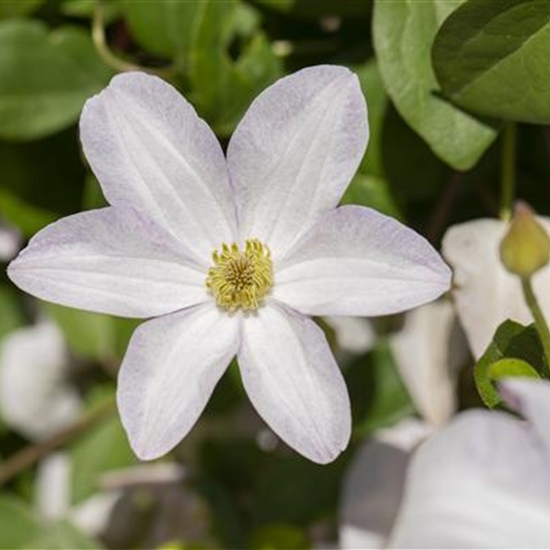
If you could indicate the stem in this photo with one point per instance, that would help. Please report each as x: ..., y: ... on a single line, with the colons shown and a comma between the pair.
x: 508, y: 171
x: 120, y: 65
x: 540, y: 322
x: 27, y: 456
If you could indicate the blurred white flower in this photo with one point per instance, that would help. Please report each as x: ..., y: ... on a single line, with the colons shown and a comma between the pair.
x: 373, y: 486
x: 36, y: 398
x: 429, y: 351
x: 354, y: 335
x: 485, y: 293
x: 231, y: 257
x: 53, y: 496
x: 10, y: 241
x: 481, y: 482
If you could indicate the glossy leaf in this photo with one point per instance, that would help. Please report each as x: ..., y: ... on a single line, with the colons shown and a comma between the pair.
x: 18, y: 523
x: 18, y: 8
x: 492, y: 58
x: 45, y: 78
x: 403, y: 34
x: 102, y: 449
x: 222, y: 87
x: 163, y: 28
x: 63, y: 535
x: 512, y: 341
x: 89, y: 335
x: 511, y: 367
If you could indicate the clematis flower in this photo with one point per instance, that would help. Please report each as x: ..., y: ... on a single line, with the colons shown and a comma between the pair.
x: 485, y: 294
x: 429, y: 352
x: 36, y: 398
x: 230, y: 257
x: 481, y: 482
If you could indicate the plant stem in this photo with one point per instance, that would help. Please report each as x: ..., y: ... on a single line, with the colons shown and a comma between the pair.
x: 27, y: 456
x: 540, y: 322
x: 120, y: 65
x: 508, y: 171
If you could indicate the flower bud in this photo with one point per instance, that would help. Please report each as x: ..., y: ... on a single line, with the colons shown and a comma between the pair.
x: 526, y: 246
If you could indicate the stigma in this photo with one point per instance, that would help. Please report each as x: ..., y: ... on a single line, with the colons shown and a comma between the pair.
x: 240, y: 279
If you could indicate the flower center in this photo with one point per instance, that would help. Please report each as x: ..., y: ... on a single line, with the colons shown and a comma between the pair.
x: 240, y: 279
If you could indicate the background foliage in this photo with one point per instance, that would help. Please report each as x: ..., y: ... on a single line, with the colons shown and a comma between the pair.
x: 441, y: 85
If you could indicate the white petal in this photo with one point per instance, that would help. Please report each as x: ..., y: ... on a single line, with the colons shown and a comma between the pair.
x: 111, y: 260
x: 373, y: 486
x: 353, y: 334
x: 53, y: 486
x: 483, y: 482
x: 355, y: 261
x: 168, y: 374
x: 295, y: 152
x: 293, y: 381
x: 530, y: 398
x: 485, y: 293
x: 150, y: 150
x: 10, y: 241
x: 92, y: 516
x: 35, y: 397
x: 429, y: 351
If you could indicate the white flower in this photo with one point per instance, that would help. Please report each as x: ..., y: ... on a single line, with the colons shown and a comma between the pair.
x: 485, y: 293
x: 230, y: 256
x: 36, y: 398
x: 429, y: 352
x: 481, y: 482
x: 10, y: 241
x: 354, y: 335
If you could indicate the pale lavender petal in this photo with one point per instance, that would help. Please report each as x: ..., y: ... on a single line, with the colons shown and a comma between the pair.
x: 150, y: 150
x: 429, y: 351
x: 355, y: 261
x: 294, y: 383
x: 295, y: 152
x: 374, y: 483
x: 169, y: 372
x: 485, y: 294
x: 482, y: 482
x: 113, y: 260
x: 36, y: 398
x: 530, y: 398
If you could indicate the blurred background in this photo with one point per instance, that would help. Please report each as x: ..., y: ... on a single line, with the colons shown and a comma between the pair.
x: 68, y: 478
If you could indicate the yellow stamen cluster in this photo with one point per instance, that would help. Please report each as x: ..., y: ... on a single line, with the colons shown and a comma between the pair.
x: 240, y: 279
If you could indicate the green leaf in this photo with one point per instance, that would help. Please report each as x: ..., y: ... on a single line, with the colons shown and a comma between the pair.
x: 164, y: 27
x: 223, y: 88
x: 312, y: 494
x: 18, y: 8
x: 28, y: 218
x: 369, y: 187
x: 85, y: 9
x: 511, y: 367
x: 279, y: 535
x: 512, y: 341
x: 41, y: 177
x: 374, y: 192
x: 45, y: 78
x: 63, y: 535
x: 90, y: 335
x: 18, y: 523
x: 11, y: 316
x: 378, y: 395
x: 102, y: 449
x: 378, y: 102
x: 403, y: 35
x: 492, y: 58
x: 279, y: 5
